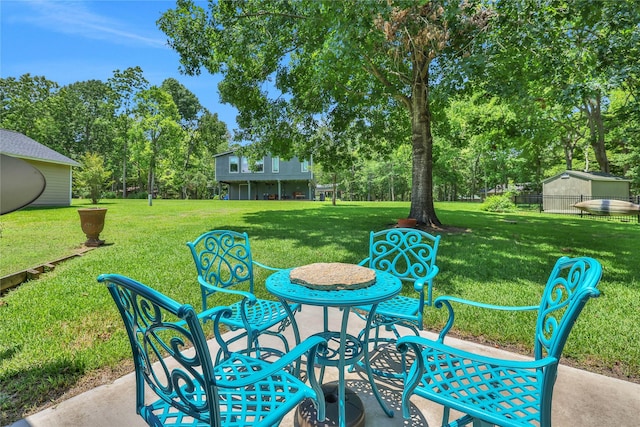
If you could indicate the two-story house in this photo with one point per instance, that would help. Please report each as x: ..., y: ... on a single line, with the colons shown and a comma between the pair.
x: 271, y: 178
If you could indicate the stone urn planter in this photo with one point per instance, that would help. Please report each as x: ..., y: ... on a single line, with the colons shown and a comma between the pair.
x: 407, y: 222
x: 92, y: 223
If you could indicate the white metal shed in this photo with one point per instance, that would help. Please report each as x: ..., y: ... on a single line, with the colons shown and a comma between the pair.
x: 576, y: 186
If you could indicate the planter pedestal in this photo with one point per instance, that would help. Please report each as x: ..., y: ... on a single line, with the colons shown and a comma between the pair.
x: 92, y: 223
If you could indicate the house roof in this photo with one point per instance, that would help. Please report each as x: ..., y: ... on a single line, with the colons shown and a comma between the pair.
x: 223, y: 154
x: 21, y: 146
x: 592, y: 176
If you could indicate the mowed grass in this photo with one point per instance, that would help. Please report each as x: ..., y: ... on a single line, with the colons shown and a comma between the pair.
x: 59, y: 330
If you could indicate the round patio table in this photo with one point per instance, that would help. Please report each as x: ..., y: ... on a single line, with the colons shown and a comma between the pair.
x: 344, y: 349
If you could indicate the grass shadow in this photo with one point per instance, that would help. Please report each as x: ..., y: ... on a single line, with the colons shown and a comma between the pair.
x: 46, y: 384
x: 8, y: 353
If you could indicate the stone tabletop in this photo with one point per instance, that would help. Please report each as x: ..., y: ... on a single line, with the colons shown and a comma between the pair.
x: 333, y: 276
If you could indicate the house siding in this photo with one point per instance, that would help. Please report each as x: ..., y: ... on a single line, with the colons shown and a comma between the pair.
x: 55, y: 167
x: 289, y: 183
x: 58, y: 177
x: 289, y: 169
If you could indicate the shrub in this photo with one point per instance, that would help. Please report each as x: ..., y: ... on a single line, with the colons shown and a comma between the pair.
x: 499, y: 203
x: 92, y: 179
x: 138, y: 195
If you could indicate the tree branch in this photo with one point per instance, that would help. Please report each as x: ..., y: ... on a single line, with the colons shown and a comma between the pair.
x: 371, y: 68
x: 266, y: 13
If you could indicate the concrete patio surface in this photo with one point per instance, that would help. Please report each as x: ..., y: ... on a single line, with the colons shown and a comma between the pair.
x: 581, y: 398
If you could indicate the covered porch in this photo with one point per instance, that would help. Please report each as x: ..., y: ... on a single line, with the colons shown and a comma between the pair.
x: 270, y: 190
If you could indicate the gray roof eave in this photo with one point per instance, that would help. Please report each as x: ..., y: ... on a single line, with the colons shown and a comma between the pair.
x: 587, y: 176
x: 18, y: 145
x: 36, y: 159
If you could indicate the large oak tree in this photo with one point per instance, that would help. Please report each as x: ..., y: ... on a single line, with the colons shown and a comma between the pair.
x: 292, y: 67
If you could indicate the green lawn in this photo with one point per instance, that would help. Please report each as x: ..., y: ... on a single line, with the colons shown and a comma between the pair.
x: 58, y: 330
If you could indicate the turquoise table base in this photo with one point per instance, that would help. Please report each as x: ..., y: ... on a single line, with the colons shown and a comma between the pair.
x: 306, y: 415
x: 343, y: 349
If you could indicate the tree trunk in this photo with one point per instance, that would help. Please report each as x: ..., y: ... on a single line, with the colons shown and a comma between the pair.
x: 187, y: 162
x: 124, y: 171
x: 125, y: 155
x: 335, y: 189
x: 596, y: 129
x: 151, y: 177
x: 422, y: 208
x: 474, y: 176
x: 391, y: 185
x: 567, y: 145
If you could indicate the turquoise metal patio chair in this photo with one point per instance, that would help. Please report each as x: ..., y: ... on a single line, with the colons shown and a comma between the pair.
x: 491, y: 391
x: 172, y: 359
x: 225, y: 266
x: 409, y: 254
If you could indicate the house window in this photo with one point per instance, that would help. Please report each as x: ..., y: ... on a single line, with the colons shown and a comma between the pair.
x: 275, y: 164
x: 259, y: 166
x: 233, y: 164
x: 304, y: 167
x: 244, y: 168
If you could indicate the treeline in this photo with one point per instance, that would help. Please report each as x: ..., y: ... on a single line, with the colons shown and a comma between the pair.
x: 153, y: 139
x: 160, y: 140
x: 485, y: 142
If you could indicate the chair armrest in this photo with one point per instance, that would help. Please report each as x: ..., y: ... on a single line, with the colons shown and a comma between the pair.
x: 266, y: 267
x: 447, y: 300
x: 489, y: 306
x: 214, y: 313
x: 418, y: 285
x: 251, y: 298
x: 417, y: 343
x: 310, y: 345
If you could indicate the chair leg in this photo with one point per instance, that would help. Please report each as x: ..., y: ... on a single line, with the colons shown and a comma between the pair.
x: 253, y: 345
x: 445, y: 416
x: 321, y: 375
x: 481, y: 423
x: 390, y: 342
x: 463, y: 421
x: 290, y: 320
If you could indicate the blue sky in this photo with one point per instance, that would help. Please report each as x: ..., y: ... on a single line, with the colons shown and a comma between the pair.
x: 77, y: 40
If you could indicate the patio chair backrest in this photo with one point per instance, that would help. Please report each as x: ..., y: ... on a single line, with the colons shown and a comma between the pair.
x: 570, y: 285
x: 170, y: 351
x: 501, y: 391
x: 223, y: 258
x: 406, y: 253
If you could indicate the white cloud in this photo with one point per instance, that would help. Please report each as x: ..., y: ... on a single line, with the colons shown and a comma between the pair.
x: 76, y: 18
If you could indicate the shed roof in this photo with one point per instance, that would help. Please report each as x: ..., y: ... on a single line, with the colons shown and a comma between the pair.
x: 592, y: 176
x: 21, y: 146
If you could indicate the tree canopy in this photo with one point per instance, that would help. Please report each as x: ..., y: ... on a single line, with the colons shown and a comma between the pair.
x: 292, y: 68
x: 391, y: 99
